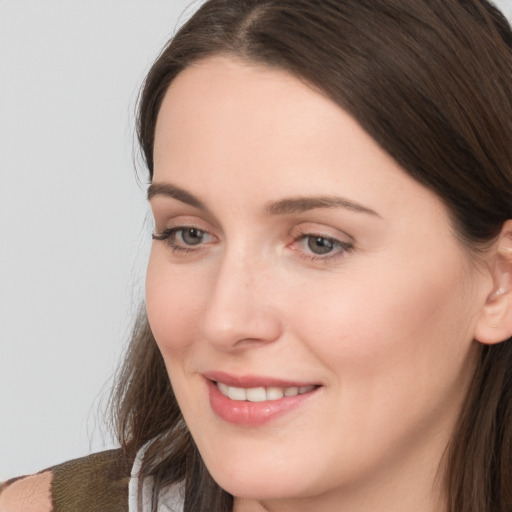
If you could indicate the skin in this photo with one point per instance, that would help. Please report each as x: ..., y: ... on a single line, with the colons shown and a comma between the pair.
x: 29, y: 494
x: 386, y: 327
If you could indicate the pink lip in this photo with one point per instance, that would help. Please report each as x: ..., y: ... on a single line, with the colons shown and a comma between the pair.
x: 254, y: 381
x: 252, y: 414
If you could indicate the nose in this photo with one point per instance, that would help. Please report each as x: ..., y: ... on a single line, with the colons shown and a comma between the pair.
x: 240, y: 310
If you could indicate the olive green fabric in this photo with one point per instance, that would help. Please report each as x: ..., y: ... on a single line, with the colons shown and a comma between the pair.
x: 96, y: 483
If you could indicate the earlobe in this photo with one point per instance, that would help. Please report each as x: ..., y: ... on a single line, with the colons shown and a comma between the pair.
x: 495, y: 322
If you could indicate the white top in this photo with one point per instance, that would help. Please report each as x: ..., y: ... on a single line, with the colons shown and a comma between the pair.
x: 170, y: 500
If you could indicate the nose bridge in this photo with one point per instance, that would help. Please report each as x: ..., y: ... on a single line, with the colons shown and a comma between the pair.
x: 239, y: 306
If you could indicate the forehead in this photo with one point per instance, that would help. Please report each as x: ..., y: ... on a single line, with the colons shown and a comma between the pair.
x: 234, y: 130
x: 247, y: 95
x: 231, y: 110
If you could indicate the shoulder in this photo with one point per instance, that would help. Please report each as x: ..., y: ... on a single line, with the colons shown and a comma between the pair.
x: 98, y: 482
x: 27, y: 494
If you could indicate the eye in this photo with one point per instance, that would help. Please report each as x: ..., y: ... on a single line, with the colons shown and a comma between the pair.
x: 190, y: 236
x: 183, y: 238
x: 321, y: 247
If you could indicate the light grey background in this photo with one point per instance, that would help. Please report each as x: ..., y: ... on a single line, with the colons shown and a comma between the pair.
x: 505, y: 6
x: 73, y: 240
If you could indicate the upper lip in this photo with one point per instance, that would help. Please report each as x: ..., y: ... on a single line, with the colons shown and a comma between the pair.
x: 253, y: 381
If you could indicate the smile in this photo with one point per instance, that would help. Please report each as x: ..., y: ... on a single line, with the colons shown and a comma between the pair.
x: 252, y: 401
x: 261, y: 394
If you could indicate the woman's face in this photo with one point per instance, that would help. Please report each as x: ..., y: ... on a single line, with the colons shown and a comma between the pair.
x: 299, y: 270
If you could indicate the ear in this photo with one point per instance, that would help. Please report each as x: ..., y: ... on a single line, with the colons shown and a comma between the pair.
x: 495, y: 321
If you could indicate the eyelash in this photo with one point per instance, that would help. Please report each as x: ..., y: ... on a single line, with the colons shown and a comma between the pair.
x: 168, y: 236
x: 339, y: 248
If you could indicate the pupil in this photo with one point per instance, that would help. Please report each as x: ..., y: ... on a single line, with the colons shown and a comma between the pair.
x: 192, y: 236
x: 320, y: 245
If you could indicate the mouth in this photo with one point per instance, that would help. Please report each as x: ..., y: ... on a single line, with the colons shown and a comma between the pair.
x: 253, y: 401
x: 262, y: 394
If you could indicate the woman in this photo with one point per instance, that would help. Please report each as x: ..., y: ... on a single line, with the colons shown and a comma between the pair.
x: 328, y: 302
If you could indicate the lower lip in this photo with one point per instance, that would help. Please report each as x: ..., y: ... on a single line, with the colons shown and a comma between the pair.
x: 252, y: 414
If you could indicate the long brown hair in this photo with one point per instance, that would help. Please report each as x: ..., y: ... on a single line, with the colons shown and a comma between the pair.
x: 431, y: 82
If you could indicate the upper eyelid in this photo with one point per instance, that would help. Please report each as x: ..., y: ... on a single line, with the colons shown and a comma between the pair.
x: 326, y: 231
x: 297, y: 232
x: 342, y: 243
x: 165, y: 219
x: 175, y: 229
x: 321, y: 235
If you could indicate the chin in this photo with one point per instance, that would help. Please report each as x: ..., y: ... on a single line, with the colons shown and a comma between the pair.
x: 266, y: 475
x: 259, y: 486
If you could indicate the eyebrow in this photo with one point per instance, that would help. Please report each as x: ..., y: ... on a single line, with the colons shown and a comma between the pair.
x: 303, y: 204
x: 168, y: 190
x: 281, y: 207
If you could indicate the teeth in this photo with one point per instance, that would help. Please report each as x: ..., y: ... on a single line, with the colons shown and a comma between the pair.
x: 291, y: 391
x: 274, y: 393
x: 255, y: 394
x: 237, y: 393
x: 261, y: 394
x: 223, y: 388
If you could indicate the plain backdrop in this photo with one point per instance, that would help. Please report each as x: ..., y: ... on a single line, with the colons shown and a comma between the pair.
x: 73, y: 231
x: 73, y: 235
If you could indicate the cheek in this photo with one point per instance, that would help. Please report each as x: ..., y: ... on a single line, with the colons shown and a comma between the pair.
x: 173, y: 305
x: 390, y: 325
x: 398, y: 362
